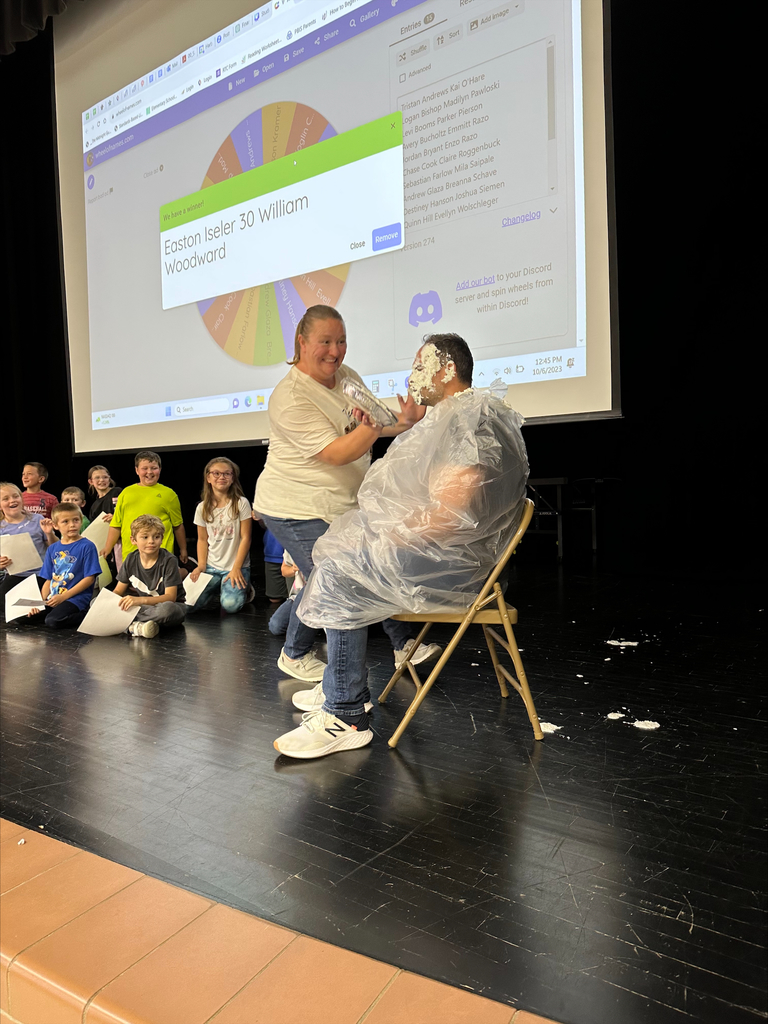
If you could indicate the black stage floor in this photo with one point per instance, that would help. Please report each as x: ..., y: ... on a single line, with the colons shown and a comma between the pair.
x: 605, y: 875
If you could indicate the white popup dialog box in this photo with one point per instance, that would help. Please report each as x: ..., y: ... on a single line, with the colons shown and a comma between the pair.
x: 338, y: 201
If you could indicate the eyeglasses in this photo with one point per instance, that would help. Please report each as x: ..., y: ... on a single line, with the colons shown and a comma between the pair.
x: 213, y: 472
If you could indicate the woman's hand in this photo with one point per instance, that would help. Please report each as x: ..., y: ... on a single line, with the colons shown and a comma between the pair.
x: 236, y: 578
x: 365, y: 421
x: 410, y: 412
x: 195, y: 574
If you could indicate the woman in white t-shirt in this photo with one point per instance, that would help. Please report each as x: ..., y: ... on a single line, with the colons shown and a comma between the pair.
x: 319, y: 452
x: 223, y: 520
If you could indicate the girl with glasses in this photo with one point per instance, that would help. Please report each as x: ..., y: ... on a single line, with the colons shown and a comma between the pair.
x: 223, y: 520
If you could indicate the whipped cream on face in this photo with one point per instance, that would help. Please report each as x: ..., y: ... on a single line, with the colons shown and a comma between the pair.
x: 424, y: 370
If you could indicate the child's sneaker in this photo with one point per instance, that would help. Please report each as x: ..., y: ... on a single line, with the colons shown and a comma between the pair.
x: 424, y: 652
x: 320, y: 734
x: 312, y: 700
x: 145, y: 629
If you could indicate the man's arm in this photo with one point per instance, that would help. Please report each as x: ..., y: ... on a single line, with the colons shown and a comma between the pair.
x: 451, y: 492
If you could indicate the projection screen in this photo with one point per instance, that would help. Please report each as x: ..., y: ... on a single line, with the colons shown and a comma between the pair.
x: 422, y: 165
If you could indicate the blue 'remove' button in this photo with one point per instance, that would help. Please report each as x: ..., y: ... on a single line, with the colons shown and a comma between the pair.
x: 385, y: 238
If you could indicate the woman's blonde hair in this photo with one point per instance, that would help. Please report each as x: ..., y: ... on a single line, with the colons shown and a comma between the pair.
x: 13, y: 487
x: 313, y: 315
x: 91, y: 471
x: 235, y: 492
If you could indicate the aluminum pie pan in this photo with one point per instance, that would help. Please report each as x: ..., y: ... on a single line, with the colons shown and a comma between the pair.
x: 358, y: 396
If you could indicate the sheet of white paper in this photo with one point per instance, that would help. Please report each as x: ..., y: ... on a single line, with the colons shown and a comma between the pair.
x: 193, y: 590
x: 106, y: 618
x: 97, y: 531
x: 22, y: 552
x: 28, y: 590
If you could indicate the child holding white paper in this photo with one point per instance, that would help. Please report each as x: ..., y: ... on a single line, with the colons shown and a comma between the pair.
x: 105, y: 492
x: 70, y: 570
x: 223, y: 520
x: 103, y: 487
x: 150, y: 578
x: 15, y: 520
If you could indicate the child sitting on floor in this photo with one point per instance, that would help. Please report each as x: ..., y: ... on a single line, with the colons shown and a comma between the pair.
x: 223, y: 520
x: 75, y: 496
x: 14, y: 519
x: 278, y: 624
x: 150, y: 578
x: 103, y: 487
x: 70, y: 570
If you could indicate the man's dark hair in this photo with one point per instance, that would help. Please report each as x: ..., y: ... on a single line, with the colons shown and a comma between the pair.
x: 147, y: 456
x: 454, y: 349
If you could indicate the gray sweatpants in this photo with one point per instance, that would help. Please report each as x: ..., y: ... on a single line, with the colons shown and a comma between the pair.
x: 169, y: 613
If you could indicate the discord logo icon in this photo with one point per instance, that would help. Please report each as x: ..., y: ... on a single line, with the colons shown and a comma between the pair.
x: 426, y: 307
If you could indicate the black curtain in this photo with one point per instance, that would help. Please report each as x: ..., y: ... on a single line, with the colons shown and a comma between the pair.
x: 21, y: 20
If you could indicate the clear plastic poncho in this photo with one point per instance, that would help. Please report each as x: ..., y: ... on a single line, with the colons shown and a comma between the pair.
x: 434, y: 516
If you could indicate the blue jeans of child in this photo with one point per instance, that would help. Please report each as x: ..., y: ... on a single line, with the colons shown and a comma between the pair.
x: 298, y: 537
x: 230, y: 597
x: 281, y: 616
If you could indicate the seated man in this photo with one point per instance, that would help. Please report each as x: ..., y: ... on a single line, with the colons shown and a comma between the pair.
x: 434, y: 516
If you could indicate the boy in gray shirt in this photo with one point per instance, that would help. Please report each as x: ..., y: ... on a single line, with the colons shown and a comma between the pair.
x: 150, y: 578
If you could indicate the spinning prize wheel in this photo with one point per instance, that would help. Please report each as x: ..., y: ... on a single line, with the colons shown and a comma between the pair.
x: 257, y: 325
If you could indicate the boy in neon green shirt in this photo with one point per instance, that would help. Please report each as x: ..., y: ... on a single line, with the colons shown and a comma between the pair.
x: 147, y: 497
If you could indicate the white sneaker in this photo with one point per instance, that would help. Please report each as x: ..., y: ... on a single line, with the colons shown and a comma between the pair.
x: 320, y: 734
x: 145, y: 629
x: 424, y: 652
x: 308, y: 669
x: 312, y: 700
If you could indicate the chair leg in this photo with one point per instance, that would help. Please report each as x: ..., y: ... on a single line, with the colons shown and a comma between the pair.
x: 431, y: 678
x: 496, y: 666
x: 406, y: 665
x: 525, y: 690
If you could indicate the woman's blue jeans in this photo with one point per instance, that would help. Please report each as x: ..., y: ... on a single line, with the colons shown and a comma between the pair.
x: 298, y: 537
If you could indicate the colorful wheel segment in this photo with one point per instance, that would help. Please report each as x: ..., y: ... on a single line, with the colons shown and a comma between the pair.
x: 257, y: 325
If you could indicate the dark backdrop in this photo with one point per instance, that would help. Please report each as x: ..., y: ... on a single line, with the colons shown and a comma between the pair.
x: 682, y: 458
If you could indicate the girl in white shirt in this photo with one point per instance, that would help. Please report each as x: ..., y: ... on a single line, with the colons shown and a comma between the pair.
x: 223, y: 520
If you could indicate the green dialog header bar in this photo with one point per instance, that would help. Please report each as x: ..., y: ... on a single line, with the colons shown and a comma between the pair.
x: 367, y: 140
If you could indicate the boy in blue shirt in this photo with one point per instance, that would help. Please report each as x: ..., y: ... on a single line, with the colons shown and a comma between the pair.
x: 70, y: 569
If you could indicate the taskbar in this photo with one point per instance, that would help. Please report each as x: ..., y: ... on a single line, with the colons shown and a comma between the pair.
x: 524, y: 369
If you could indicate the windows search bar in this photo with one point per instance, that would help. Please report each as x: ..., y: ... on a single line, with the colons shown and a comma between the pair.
x: 203, y: 408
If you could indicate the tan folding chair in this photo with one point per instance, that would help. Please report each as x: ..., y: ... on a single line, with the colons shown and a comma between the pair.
x: 502, y: 615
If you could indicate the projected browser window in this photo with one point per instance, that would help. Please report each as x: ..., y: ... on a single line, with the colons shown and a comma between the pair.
x: 417, y: 165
